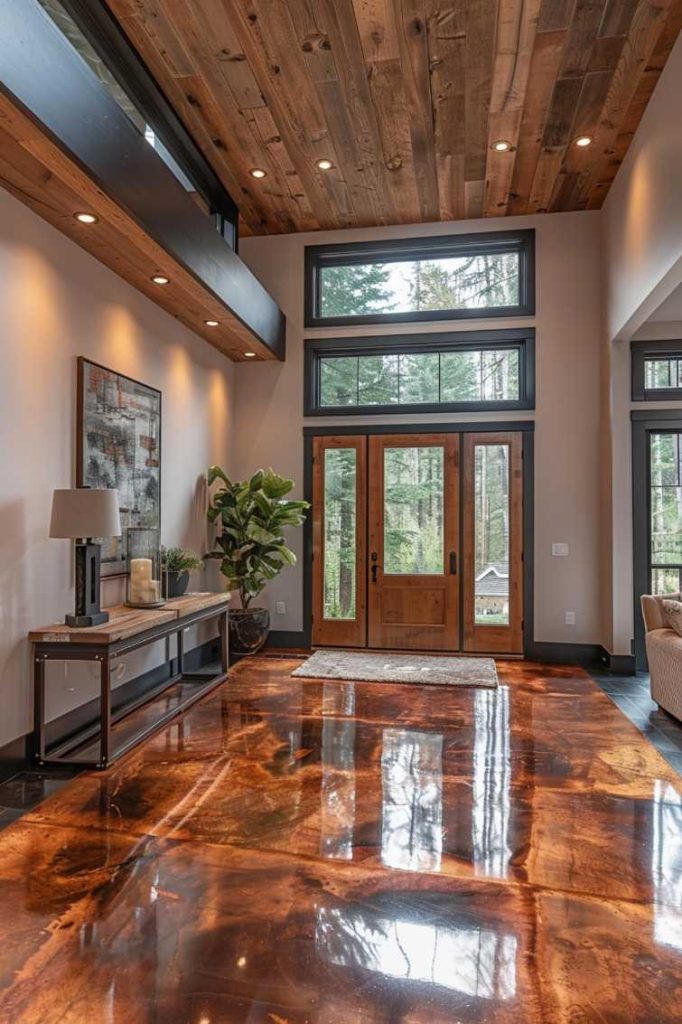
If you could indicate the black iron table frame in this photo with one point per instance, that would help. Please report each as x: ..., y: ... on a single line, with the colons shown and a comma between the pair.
x: 105, y: 654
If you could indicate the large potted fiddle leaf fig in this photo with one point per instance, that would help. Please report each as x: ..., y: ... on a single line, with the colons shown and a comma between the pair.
x: 250, y: 517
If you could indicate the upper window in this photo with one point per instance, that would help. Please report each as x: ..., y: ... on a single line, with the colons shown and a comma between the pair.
x: 656, y: 370
x: 415, y: 279
x: 455, y: 371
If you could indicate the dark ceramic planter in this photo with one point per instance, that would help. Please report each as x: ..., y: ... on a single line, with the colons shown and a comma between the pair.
x: 175, y: 583
x: 248, y: 629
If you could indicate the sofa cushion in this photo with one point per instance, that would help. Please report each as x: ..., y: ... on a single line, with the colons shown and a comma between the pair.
x: 652, y: 609
x: 672, y: 614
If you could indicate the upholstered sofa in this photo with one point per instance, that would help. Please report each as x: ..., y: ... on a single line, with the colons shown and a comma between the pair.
x: 664, y: 654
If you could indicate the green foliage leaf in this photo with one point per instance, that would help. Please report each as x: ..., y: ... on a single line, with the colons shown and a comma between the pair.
x: 250, y: 516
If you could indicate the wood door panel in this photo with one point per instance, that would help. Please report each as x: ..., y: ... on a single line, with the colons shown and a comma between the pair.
x: 413, y: 610
x: 330, y: 628
x: 506, y: 636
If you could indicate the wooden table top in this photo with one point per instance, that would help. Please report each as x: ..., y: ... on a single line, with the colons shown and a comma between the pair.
x: 125, y: 622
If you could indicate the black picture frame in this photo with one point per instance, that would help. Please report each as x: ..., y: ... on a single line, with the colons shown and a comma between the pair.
x: 112, y: 565
x: 318, y: 257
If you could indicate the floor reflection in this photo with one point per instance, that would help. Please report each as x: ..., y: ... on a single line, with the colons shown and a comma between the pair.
x: 474, y: 961
x: 666, y: 865
x: 412, y: 800
x: 491, y: 779
x: 338, y: 778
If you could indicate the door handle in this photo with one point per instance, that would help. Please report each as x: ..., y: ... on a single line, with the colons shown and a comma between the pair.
x: 375, y: 566
x: 453, y: 563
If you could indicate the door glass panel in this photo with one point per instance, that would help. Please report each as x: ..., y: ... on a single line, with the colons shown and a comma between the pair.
x: 666, y: 513
x: 340, y: 486
x: 413, y: 510
x: 491, y: 534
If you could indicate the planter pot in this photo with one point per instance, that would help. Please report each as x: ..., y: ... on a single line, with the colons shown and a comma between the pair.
x: 175, y: 583
x: 249, y: 629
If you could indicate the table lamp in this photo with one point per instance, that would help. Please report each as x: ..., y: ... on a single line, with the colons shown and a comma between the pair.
x: 82, y: 513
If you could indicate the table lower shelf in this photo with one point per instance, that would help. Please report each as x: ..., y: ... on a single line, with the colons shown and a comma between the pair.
x: 135, y: 720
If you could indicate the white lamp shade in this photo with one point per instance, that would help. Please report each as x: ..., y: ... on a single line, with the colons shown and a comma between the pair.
x: 85, y: 512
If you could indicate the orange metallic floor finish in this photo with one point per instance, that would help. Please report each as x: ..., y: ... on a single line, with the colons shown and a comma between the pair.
x: 352, y: 853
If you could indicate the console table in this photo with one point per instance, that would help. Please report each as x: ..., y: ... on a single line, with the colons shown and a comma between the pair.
x: 128, y: 629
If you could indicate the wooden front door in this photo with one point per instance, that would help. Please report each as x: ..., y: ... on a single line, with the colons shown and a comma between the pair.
x: 413, y: 532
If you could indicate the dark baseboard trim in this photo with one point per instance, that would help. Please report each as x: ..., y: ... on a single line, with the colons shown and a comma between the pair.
x: 286, y: 638
x: 571, y: 654
x: 17, y: 754
x: 619, y: 664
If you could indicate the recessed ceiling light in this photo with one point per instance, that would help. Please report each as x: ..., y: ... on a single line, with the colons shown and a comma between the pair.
x: 212, y: 323
x: 501, y: 146
x: 86, y: 218
x: 257, y: 172
x: 250, y: 355
x: 583, y: 140
x: 325, y: 165
x: 160, y: 279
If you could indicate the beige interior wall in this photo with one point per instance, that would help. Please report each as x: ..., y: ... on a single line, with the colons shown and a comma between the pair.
x: 269, y: 405
x: 58, y: 303
x: 642, y: 245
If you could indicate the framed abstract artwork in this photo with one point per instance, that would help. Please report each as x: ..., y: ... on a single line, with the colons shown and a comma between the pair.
x: 118, y: 444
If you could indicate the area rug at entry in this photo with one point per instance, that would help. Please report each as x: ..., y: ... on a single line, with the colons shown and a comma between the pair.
x: 399, y: 668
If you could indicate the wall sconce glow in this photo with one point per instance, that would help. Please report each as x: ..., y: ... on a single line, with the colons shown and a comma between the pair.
x: 160, y: 279
x: 583, y: 141
x: 212, y: 323
x: 257, y: 172
x: 325, y: 165
x: 501, y: 146
x: 249, y: 355
x: 86, y: 218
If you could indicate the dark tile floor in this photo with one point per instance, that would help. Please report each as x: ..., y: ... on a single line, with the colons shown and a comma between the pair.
x: 631, y: 695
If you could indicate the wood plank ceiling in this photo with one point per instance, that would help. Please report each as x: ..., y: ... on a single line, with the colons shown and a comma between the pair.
x: 406, y: 98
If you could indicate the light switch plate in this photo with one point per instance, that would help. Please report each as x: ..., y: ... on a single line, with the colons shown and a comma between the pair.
x: 281, y: 608
x: 560, y: 550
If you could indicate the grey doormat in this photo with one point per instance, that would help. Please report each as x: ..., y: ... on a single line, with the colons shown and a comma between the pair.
x: 399, y: 668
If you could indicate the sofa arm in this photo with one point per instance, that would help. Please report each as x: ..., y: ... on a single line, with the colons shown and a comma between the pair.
x: 664, y: 653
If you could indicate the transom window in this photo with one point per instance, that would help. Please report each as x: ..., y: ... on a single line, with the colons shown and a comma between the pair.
x: 463, y: 371
x: 656, y: 370
x: 481, y: 275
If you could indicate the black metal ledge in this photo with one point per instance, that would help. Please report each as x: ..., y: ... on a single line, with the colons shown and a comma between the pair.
x: 43, y: 76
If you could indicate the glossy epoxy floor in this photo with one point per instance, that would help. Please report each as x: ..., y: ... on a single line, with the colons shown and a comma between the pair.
x: 350, y: 853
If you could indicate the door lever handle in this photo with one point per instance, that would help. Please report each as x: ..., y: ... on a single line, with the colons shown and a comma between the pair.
x: 453, y: 563
x: 375, y: 566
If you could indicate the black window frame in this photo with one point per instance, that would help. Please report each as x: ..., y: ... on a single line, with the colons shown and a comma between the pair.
x: 640, y: 352
x: 519, y: 338
x: 317, y: 257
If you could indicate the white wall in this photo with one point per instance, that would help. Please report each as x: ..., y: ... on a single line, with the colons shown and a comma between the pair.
x: 57, y: 303
x: 269, y: 404
x: 642, y: 245
x: 642, y: 215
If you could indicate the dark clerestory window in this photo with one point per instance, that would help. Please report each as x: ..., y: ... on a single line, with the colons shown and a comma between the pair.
x: 463, y: 371
x: 452, y: 277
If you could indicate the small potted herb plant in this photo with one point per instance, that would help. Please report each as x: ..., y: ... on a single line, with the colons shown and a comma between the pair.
x: 251, y: 516
x: 176, y: 565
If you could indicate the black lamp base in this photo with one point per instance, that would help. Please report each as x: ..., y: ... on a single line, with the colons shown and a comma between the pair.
x: 86, y: 620
x: 87, y: 611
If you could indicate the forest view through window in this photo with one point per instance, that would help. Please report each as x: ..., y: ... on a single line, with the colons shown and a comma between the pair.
x: 454, y: 276
x: 414, y: 378
x: 462, y: 282
x: 666, y: 513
